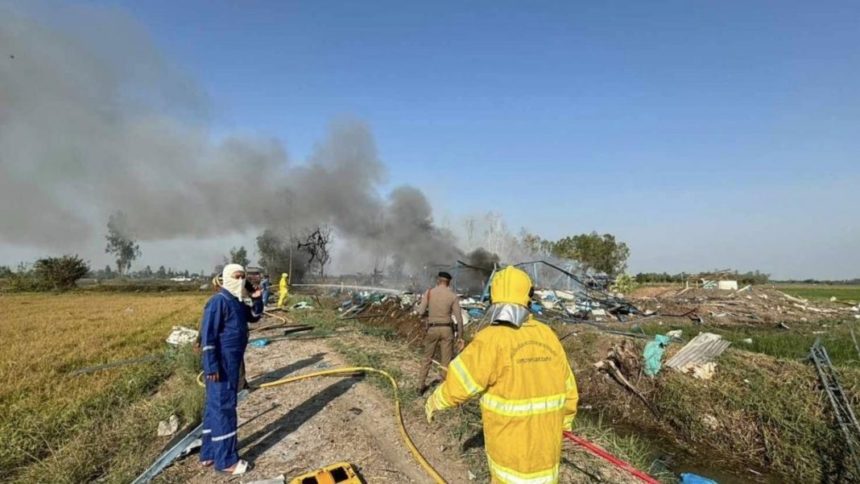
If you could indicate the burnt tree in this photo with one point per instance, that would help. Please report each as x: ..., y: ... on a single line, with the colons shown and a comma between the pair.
x: 316, y: 245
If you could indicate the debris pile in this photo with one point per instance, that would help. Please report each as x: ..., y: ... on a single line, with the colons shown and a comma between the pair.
x: 697, y: 356
x: 391, y: 310
x: 568, y: 295
x: 748, y: 305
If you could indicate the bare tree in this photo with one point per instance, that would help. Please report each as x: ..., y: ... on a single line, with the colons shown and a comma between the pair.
x: 316, y: 245
x: 469, y: 225
x: 495, y: 233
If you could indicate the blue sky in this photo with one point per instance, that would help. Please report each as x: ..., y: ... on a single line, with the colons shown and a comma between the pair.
x: 704, y: 134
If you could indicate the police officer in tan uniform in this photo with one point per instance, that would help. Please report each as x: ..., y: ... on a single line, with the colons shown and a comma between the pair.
x: 441, y: 303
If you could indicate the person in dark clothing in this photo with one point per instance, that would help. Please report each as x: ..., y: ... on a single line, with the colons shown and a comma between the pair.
x: 224, y: 336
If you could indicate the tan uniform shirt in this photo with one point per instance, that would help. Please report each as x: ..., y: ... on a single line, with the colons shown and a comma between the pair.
x: 443, y: 303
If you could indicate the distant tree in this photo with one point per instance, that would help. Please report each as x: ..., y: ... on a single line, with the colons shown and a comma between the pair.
x: 624, y: 283
x: 495, y: 232
x: 275, y: 253
x: 535, y: 244
x: 108, y: 272
x: 185, y: 274
x: 60, y: 272
x: 595, y: 252
x: 239, y: 256
x: 469, y: 224
x: 146, y: 272
x: 5, y: 271
x: 120, y: 242
x: 753, y: 277
x: 161, y: 273
x: 646, y: 277
x: 531, y: 241
x: 316, y: 245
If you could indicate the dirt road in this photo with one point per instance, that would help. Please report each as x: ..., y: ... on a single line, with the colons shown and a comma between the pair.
x: 295, y: 428
x: 306, y: 425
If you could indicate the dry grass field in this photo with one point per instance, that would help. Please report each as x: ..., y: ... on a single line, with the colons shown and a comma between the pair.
x: 58, y: 426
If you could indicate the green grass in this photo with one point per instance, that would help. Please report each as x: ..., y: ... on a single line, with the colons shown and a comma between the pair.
x: 381, y: 332
x: 763, y: 409
x: 792, y: 344
x: 822, y: 291
x: 631, y: 447
x: 765, y: 413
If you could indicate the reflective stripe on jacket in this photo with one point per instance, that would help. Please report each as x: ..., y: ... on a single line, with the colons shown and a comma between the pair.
x: 528, y: 396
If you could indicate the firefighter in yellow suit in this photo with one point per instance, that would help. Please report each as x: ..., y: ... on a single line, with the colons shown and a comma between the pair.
x: 528, y: 392
x: 283, y: 289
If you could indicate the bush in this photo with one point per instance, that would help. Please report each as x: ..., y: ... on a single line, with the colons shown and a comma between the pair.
x: 60, y: 273
x: 624, y: 283
x: 25, y: 282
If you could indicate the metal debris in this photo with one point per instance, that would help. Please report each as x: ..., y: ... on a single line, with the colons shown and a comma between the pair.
x: 115, y: 364
x: 842, y: 409
x: 571, y: 296
x: 176, y: 450
x: 704, y: 348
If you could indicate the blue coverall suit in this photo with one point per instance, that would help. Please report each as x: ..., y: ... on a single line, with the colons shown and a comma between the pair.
x: 266, y: 284
x: 224, y: 336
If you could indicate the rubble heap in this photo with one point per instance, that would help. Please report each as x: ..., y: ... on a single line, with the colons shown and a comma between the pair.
x: 748, y: 306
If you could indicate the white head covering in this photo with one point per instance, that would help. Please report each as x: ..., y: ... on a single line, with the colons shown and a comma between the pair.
x: 234, y: 286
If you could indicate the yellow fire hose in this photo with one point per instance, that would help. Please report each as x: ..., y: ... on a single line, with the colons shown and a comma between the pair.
x: 364, y: 369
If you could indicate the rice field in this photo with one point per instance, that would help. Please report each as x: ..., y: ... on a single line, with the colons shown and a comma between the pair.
x: 823, y: 291
x: 94, y: 425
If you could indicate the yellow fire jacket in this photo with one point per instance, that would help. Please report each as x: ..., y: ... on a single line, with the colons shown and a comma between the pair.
x: 528, y: 396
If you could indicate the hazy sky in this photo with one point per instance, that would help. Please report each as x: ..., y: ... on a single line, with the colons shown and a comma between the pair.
x: 704, y: 134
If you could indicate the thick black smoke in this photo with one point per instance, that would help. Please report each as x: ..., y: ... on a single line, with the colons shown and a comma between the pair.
x: 93, y: 120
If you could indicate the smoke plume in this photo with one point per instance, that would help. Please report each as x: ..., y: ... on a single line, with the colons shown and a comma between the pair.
x: 93, y: 119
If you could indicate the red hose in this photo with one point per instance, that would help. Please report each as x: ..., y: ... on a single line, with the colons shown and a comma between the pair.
x: 603, y: 454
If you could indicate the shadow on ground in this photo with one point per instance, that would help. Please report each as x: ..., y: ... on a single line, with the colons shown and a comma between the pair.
x: 267, y: 437
x: 286, y: 370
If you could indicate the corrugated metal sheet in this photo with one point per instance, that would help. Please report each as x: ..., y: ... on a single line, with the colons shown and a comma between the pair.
x: 701, y: 349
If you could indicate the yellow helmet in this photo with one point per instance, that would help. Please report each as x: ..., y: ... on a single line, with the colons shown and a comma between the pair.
x: 511, y: 285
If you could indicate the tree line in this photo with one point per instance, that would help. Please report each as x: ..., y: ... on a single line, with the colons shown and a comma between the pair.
x: 749, y: 277
x: 310, y: 252
x: 593, y: 252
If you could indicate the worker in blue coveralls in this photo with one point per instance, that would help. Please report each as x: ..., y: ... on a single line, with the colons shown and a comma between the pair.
x: 267, y: 289
x: 224, y: 335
